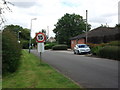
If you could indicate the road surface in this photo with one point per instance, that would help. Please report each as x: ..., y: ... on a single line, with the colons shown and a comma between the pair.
x: 89, y: 72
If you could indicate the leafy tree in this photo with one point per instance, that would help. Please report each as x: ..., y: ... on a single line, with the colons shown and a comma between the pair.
x: 24, y: 34
x: 69, y: 26
x: 13, y: 28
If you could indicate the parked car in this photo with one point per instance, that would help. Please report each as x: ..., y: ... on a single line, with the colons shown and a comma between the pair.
x: 81, y: 48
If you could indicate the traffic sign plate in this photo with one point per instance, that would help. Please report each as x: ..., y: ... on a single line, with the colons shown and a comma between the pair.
x: 40, y: 37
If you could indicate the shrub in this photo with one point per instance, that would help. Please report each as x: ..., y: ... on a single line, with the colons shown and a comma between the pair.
x: 11, y: 52
x: 59, y: 47
x: 94, y: 45
x: 111, y: 52
x: 114, y: 43
x: 95, y: 50
x: 49, y: 45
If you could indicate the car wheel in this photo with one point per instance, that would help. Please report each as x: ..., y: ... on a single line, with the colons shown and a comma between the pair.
x: 77, y: 52
x: 74, y: 52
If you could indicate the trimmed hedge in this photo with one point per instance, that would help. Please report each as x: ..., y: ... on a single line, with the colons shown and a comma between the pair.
x: 115, y: 43
x: 111, y: 52
x: 49, y: 45
x: 59, y: 47
x: 11, y: 52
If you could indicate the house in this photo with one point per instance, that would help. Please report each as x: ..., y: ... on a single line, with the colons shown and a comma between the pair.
x: 97, y: 35
x: 51, y: 39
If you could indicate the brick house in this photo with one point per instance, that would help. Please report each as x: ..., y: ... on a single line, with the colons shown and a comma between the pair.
x: 97, y: 35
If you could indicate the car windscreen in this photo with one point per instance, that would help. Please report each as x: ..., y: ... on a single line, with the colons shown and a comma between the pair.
x: 82, y: 46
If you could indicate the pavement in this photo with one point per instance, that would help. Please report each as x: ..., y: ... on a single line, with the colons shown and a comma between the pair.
x: 88, y: 72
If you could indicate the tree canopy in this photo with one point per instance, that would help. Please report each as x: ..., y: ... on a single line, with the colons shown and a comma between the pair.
x: 24, y: 34
x: 69, y: 26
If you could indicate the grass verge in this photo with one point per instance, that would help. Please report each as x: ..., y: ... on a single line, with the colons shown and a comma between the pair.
x: 32, y: 74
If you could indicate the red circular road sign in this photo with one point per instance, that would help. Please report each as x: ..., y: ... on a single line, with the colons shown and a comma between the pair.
x: 40, y: 37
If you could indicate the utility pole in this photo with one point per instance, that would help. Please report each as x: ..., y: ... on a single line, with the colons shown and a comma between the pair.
x: 57, y: 38
x: 86, y: 26
x: 48, y: 31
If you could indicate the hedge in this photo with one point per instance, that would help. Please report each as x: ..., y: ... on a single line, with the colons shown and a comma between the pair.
x: 59, y: 47
x: 111, y: 52
x: 95, y: 50
x: 114, y: 43
x: 11, y: 51
x: 49, y: 45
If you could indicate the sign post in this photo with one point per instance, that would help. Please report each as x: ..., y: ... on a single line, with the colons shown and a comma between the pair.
x: 40, y: 38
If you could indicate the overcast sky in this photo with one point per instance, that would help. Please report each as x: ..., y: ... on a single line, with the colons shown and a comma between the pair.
x: 48, y: 12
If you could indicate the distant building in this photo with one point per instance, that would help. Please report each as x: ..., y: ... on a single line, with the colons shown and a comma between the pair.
x: 51, y: 39
x: 119, y: 12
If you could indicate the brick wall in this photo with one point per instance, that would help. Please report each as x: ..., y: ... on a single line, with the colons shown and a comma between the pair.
x: 74, y: 42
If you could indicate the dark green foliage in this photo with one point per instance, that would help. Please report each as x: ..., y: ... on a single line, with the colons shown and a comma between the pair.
x: 25, y: 44
x: 114, y: 43
x: 59, y: 47
x: 49, y: 45
x: 11, y: 51
x: 24, y: 34
x: 111, y: 52
x: 13, y: 28
x: 95, y: 50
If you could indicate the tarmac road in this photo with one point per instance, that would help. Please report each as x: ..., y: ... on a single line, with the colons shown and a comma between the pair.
x: 89, y: 72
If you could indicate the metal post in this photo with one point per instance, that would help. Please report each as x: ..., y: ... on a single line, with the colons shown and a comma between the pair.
x: 40, y: 57
x: 30, y: 36
x: 19, y: 36
x: 48, y: 31
x: 86, y: 25
x: 30, y: 33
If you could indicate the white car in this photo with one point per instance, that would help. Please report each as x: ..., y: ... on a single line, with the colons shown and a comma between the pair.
x: 81, y: 48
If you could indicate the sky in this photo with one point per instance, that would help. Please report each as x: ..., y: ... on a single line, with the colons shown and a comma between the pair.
x: 48, y: 12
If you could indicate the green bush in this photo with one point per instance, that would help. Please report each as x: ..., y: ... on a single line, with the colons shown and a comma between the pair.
x: 59, y: 47
x: 111, y: 52
x: 114, y: 43
x: 11, y: 52
x: 95, y: 50
x: 49, y: 45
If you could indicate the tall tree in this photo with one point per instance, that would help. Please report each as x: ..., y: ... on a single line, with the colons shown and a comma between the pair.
x: 69, y: 26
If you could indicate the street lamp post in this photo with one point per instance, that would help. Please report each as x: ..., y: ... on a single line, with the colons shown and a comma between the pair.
x: 30, y: 33
x: 19, y: 36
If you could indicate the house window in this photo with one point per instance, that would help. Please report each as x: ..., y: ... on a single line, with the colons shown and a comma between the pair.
x: 72, y: 42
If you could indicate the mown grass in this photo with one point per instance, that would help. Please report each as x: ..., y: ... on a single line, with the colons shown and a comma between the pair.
x: 32, y: 74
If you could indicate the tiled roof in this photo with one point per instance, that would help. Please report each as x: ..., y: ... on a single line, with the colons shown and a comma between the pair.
x: 99, y: 32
